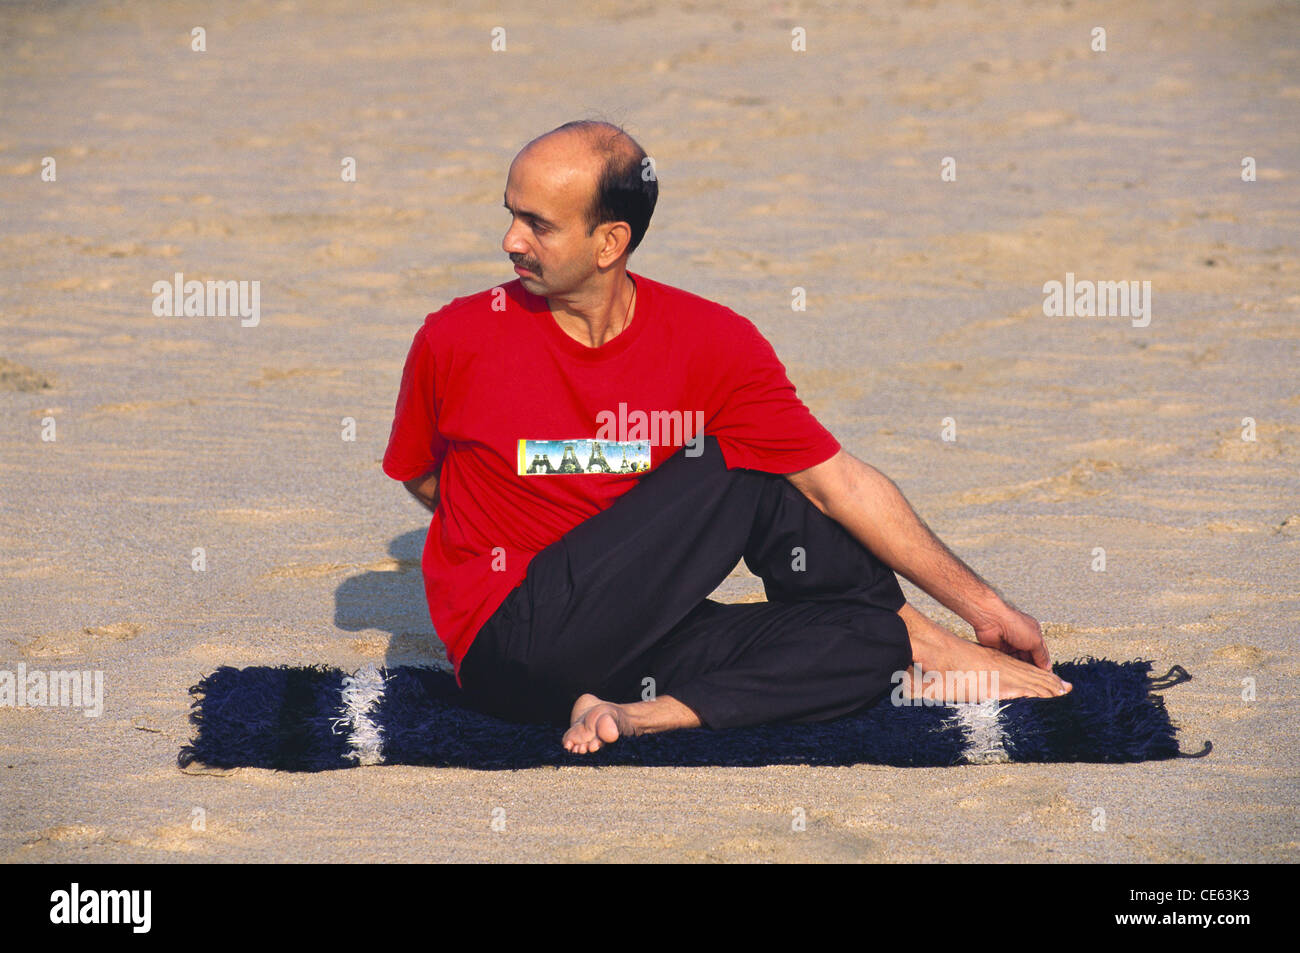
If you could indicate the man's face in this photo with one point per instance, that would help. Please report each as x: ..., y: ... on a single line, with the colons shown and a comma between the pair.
x: 547, y: 192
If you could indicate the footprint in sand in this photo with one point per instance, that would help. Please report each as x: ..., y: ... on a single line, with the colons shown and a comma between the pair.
x: 249, y: 516
x: 344, y: 253
x: 183, y: 838
x: 423, y: 647
x: 1085, y: 478
x: 129, y: 407
x: 65, y: 833
x: 1269, y: 444
x: 273, y: 375
x: 120, y: 631
x: 316, y: 570
x: 57, y: 644
x: 1241, y: 654
x: 128, y: 249
x: 1060, y: 814
x: 18, y: 377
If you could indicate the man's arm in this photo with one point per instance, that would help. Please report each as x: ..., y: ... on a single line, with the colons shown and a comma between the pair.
x: 425, y: 489
x: 871, y: 507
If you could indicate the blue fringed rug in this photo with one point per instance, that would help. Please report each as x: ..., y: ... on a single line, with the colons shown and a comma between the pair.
x: 315, y: 719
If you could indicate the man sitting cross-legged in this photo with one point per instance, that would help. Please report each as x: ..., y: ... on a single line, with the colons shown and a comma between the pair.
x: 599, y: 449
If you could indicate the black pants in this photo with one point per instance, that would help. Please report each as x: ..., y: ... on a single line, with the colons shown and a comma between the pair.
x: 617, y: 607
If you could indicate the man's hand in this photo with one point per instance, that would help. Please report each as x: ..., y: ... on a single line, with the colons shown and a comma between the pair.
x: 1015, y: 633
x: 425, y: 489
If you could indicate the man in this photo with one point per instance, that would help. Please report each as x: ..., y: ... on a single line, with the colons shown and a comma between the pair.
x: 598, y: 450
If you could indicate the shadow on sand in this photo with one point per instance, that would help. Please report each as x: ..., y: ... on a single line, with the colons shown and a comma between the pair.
x: 394, y: 602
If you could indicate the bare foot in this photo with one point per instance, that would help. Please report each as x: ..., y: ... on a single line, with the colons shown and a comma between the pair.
x: 595, y: 722
x: 953, y: 666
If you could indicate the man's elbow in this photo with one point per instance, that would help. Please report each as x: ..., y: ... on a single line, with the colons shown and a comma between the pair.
x: 424, y: 488
x: 824, y: 483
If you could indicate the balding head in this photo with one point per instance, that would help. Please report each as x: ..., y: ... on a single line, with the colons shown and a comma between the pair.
x: 622, y: 186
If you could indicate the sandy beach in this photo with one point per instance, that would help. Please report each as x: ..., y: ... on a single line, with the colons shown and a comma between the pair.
x: 134, y: 443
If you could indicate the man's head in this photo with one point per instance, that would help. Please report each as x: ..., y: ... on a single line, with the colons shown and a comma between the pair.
x: 581, y: 197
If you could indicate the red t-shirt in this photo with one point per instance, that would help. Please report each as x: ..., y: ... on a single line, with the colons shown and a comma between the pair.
x: 535, y: 431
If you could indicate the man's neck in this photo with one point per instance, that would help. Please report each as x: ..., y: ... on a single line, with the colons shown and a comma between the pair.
x: 599, y: 317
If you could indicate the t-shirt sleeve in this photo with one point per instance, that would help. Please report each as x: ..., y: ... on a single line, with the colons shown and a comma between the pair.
x: 414, y: 444
x: 762, y: 424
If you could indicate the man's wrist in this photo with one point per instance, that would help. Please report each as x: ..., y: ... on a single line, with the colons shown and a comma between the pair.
x: 968, y: 594
x: 984, y: 605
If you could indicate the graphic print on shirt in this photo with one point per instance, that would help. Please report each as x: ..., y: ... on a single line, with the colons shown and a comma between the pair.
x: 582, y: 455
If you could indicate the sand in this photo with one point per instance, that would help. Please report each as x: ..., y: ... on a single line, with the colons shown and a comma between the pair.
x: 778, y: 169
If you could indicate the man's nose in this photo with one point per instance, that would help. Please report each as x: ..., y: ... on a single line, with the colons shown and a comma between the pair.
x: 513, y: 243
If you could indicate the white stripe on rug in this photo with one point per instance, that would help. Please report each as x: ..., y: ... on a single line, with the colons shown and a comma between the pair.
x: 361, y: 695
x: 983, y: 727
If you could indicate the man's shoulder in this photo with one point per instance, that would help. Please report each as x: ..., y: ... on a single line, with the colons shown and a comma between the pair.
x: 701, y: 312
x: 466, y: 316
x: 471, y: 306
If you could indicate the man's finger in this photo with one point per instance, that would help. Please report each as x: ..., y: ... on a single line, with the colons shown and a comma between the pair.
x: 1041, y: 658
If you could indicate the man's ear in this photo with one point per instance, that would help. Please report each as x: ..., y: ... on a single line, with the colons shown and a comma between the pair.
x: 618, y: 235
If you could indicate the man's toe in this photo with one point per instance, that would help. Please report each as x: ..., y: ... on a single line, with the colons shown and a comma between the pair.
x: 607, y: 727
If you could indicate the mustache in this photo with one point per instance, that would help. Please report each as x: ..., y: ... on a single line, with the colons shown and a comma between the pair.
x: 527, y: 263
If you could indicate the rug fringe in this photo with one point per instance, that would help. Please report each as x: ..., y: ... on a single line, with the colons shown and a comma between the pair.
x: 361, y: 696
x: 1175, y: 676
